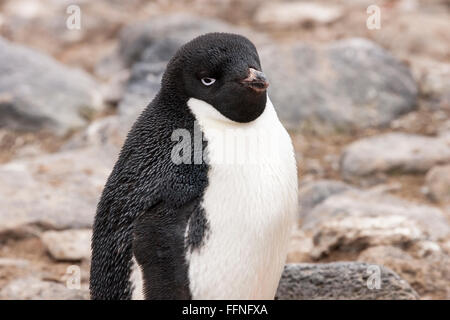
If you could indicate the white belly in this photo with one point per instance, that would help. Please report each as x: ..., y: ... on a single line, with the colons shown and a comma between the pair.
x: 250, y: 204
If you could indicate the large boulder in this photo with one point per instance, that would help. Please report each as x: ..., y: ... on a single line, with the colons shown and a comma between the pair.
x: 37, y: 92
x: 393, y: 153
x: 342, y: 280
x: 346, y: 84
x: 55, y: 191
x: 346, y: 223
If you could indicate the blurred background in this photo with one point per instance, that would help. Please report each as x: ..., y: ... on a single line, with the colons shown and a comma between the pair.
x: 366, y: 101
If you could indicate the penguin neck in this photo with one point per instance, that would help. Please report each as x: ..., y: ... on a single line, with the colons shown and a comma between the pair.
x: 170, y: 95
x: 208, y: 116
x: 172, y: 86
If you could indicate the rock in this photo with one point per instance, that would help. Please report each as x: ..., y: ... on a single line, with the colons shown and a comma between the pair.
x: 295, y: 14
x: 16, y: 263
x: 43, y: 25
x: 108, y: 131
x: 393, y: 153
x: 37, y: 92
x: 349, y: 222
x: 375, y: 203
x: 350, y: 235
x: 346, y: 84
x: 300, y: 247
x: 446, y: 246
x: 438, y: 184
x: 429, y: 275
x: 434, y: 79
x: 68, y: 245
x: 313, y: 193
x: 425, y: 248
x: 34, y: 288
x: 114, y: 88
x: 313, y: 167
x: 416, y: 121
x: 342, y: 280
x: 444, y: 130
x: 55, y: 191
x: 402, y: 35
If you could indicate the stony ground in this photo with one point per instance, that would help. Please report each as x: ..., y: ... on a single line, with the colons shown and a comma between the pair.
x: 368, y: 111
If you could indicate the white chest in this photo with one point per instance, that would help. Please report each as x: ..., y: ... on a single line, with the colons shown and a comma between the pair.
x: 250, y: 204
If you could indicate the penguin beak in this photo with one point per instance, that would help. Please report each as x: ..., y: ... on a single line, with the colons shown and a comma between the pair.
x: 256, y: 80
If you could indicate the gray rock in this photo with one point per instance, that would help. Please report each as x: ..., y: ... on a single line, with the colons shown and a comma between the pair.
x: 375, y: 203
x: 351, y: 221
x: 68, y: 245
x: 313, y: 193
x: 37, y: 92
x: 55, y: 191
x: 393, y: 153
x: 341, y: 280
x: 351, y: 83
x: 34, y: 288
x: 438, y: 184
x: 427, y: 273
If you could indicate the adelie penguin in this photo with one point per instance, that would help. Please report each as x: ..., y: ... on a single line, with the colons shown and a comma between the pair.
x: 208, y: 229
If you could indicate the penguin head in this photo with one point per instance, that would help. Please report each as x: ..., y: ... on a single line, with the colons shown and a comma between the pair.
x: 223, y: 70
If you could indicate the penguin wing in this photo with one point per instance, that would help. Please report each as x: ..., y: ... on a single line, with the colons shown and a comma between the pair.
x: 162, y: 236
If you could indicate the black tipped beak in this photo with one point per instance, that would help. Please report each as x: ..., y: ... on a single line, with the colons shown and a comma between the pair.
x: 256, y: 80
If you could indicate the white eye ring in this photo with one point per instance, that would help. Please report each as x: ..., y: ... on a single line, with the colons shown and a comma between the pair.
x: 208, y: 81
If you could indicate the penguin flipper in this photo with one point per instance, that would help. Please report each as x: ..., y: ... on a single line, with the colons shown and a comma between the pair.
x: 161, y: 240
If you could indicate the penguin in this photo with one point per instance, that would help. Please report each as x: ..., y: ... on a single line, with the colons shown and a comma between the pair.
x: 171, y: 224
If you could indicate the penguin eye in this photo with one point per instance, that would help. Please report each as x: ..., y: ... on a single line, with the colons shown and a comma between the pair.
x: 208, y: 81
